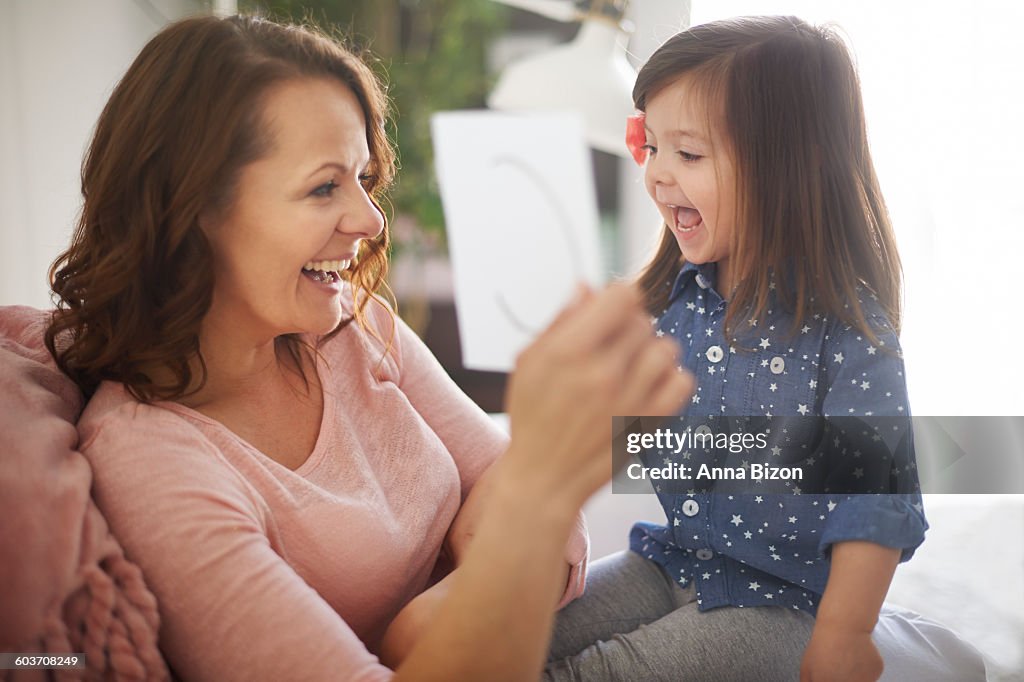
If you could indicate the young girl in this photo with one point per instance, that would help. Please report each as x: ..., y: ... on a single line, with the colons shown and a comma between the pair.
x: 778, y: 274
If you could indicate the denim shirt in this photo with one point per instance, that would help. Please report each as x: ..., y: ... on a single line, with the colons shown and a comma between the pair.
x: 747, y: 549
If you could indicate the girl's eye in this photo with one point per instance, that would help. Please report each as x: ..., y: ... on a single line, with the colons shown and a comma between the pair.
x: 325, y: 190
x: 650, y: 148
x: 689, y: 158
x: 368, y: 180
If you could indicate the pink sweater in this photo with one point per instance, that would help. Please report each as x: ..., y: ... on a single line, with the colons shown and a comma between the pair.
x: 266, y: 573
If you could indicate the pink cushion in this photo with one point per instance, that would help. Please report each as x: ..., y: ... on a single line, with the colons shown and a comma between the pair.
x: 64, y: 582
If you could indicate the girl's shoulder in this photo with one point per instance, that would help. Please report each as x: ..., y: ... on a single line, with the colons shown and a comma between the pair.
x: 880, y: 335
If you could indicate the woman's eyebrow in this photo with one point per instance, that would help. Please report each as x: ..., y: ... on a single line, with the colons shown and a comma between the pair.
x: 341, y: 167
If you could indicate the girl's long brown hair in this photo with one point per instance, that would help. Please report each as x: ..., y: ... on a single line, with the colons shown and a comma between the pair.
x: 809, y: 205
x: 138, y: 277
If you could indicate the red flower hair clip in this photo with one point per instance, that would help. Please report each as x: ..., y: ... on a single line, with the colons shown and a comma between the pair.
x: 636, y: 137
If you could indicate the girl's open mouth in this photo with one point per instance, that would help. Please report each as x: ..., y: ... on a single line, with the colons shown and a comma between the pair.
x: 686, y: 219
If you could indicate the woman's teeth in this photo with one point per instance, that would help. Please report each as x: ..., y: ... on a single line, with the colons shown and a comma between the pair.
x: 327, y: 265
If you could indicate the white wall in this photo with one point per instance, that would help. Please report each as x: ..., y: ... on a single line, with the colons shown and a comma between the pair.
x: 59, y: 61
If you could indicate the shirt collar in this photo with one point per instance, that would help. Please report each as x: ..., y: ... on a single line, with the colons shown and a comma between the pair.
x: 705, y: 272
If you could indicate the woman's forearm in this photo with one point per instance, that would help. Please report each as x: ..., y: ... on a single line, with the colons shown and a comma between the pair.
x: 598, y: 358
x: 495, y: 621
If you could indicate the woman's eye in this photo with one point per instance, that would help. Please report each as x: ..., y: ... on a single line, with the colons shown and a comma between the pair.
x: 368, y: 180
x: 688, y: 157
x: 325, y: 190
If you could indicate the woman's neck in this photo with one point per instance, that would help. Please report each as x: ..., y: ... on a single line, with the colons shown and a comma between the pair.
x: 237, y: 365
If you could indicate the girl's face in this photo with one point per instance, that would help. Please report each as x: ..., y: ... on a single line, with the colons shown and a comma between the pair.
x: 689, y: 174
x: 298, y: 217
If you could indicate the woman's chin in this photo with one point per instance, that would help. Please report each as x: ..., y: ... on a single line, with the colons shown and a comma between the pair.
x: 320, y: 322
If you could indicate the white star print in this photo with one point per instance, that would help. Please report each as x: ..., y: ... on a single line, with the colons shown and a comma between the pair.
x: 736, y: 519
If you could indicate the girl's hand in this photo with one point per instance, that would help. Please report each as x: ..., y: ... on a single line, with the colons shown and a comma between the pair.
x: 837, y: 654
x: 598, y: 359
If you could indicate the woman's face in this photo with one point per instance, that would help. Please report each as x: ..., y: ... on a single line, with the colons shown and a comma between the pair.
x: 690, y: 176
x: 298, y: 216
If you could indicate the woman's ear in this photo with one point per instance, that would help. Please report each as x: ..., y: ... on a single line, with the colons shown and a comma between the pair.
x: 208, y: 220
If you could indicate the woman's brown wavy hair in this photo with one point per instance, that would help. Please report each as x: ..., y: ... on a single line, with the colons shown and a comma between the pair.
x: 137, y: 280
x: 809, y: 205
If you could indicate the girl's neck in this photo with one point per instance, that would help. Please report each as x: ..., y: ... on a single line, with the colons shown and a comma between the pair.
x: 723, y: 278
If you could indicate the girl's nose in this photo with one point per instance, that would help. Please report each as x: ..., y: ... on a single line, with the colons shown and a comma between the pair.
x: 657, y: 172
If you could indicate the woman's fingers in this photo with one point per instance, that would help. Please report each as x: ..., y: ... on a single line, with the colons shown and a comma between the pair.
x: 599, y: 359
x: 598, y: 319
x: 580, y: 296
x: 671, y: 394
x: 649, y: 376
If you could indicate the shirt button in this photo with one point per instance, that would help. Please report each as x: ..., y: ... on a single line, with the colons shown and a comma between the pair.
x: 701, y: 282
x: 778, y: 365
x: 704, y: 554
x: 690, y: 507
x: 715, y: 354
x: 703, y: 430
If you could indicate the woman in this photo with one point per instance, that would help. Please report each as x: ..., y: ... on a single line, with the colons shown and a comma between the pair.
x: 275, y: 449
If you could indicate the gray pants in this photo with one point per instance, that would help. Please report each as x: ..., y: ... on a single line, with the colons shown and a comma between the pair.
x: 634, y: 623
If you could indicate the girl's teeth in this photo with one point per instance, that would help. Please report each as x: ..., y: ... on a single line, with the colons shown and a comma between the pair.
x: 687, y: 219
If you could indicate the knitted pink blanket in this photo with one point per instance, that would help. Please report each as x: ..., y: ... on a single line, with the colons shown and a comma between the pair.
x: 65, y: 585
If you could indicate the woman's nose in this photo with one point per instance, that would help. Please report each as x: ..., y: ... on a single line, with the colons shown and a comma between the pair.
x: 364, y: 219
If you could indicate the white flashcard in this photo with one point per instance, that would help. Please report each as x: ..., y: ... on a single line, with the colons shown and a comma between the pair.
x: 522, y: 224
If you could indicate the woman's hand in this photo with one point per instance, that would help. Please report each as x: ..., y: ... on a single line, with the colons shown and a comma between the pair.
x: 598, y: 359
x: 411, y: 622
x: 837, y: 654
x: 463, y: 527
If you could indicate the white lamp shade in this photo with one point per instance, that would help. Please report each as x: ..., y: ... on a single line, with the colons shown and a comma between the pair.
x: 590, y: 75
